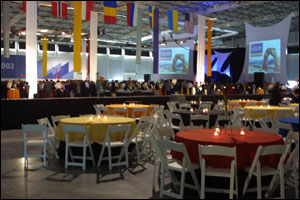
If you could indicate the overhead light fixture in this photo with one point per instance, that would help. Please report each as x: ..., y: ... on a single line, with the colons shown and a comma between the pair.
x: 44, y: 30
x: 63, y: 33
x: 148, y: 37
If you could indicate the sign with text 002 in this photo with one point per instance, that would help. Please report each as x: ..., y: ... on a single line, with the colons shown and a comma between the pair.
x: 13, y: 67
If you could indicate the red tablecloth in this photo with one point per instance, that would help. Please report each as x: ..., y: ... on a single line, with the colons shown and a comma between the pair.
x: 246, y: 146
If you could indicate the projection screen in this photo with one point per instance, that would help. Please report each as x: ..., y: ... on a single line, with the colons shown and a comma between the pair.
x: 266, y: 51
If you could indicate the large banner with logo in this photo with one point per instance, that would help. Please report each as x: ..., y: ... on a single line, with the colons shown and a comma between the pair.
x: 57, y: 68
x: 13, y: 67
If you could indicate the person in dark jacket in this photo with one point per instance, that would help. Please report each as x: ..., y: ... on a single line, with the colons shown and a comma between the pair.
x: 275, y: 95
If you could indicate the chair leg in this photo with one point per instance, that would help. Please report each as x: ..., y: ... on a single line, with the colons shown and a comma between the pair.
x: 182, y: 182
x: 53, y: 147
x: 282, y: 192
x: 109, y: 158
x: 236, y: 184
x: 202, y: 182
x: 101, y: 155
x: 137, y: 151
x: 25, y: 156
x: 231, y: 186
x: 44, y: 154
x: 66, y: 153
x: 84, y: 158
x: 162, y: 182
x: 258, y: 180
x: 92, y: 154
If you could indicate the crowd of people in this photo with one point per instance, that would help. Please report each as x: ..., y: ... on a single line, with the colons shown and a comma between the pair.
x: 79, y: 88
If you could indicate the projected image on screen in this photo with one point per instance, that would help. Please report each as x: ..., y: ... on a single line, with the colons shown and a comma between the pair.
x: 264, y: 56
x: 174, y: 60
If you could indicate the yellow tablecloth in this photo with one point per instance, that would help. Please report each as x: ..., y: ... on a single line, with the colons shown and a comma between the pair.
x: 96, y: 128
x: 294, y: 104
x: 130, y: 109
x: 13, y: 94
x: 271, y: 111
x: 243, y: 103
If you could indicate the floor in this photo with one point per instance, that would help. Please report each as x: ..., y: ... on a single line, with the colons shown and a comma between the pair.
x: 54, y: 181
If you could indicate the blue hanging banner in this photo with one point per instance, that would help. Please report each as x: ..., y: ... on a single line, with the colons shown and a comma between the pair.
x: 13, y: 67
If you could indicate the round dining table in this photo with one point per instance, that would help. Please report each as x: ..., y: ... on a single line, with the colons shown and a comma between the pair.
x: 130, y: 108
x: 243, y: 102
x: 271, y: 111
x: 13, y: 94
x: 246, y: 146
x: 96, y: 128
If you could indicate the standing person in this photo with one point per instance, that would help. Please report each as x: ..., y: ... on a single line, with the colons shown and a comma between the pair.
x: 168, y: 87
x: 275, y: 95
x: 47, y: 88
x: 58, y: 88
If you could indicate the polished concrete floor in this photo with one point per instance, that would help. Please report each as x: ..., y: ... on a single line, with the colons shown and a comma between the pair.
x: 54, y: 181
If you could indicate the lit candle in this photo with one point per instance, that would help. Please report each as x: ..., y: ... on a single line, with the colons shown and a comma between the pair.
x: 261, y: 106
x: 268, y: 106
x: 133, y: 104
x: 91, y: 117
x: 218, y: 129
x: 216, y: 133
x: 247, y: 99
x: 242, y: 132
x: 124, y: 104
x: 105, y: 117
x: 99, y: 116
x: 240, y: 99
x: 192, y: 110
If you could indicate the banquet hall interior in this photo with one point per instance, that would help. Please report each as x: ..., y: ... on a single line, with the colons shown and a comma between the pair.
x: 149, y: 99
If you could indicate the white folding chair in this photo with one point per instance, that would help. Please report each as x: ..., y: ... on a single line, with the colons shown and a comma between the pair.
x: 218, y: 172
x: 50, y: 134
x: 267, y: 130
x: 236, y: 126
x: 251, y: 104
x: 84, y: 143
x: 221, y: 118
x: 171, y: 106
x: 281, y: 113
x: 257, y: 170
x: 256, y: 115
x: 121, y: 111
x: 204, y: 105
x: 41, y: 141
x: 199, y: 117
x: 56, y: 119
x: 291, y: 137
x: 239, y: 116
x: 177, y: 117
x: 266, y: 122
x: 161, y: 147
x: 285, y: 126
x: 184, y: 106
x: 234, y: 105
x: 139, y: 112
x: 184, y: 128
x: 140, y: 134
x: 107, y: 143
x: 291, y: 174
x: 97, y: 108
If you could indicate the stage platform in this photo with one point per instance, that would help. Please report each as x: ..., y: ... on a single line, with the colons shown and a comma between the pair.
x: 14, y: 112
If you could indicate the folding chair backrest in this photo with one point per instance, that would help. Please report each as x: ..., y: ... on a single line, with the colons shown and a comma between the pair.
x: 46, y: 122
x: 70, y: 129
x: 121, y: 111
x: 199, y: 117
x: 219, y: 107
x: 281, y: 125
x: 236, y: 126
x: 172, y: 116
x: 294, y: 157
x: 291, y: 137
x: 141, y: 111
x: 204, y: 105
x: 118, y: 128
x: 217, y: 150
x: 166, y: 132
x: 26, y: 128
x: 184, y: 128
x: 267, y: 130
x: 57, y: 118
x: 251, y: 104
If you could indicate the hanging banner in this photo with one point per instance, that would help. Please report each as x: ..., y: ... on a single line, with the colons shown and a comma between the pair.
x: 201, y: 50
x: 139, y: 36
x: 93, y: 46
x: 83, y: 60
x: 155, y: 41
x: 31, y: 47
x: 209, y: 30
x: 45, y: 48
x: 6, y: 27
x: 77, y: 36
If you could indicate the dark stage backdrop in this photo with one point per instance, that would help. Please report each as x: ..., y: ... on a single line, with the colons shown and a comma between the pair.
x: 224, y: 61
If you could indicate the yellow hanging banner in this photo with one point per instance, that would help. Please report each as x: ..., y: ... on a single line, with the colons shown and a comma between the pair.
x: 45, y: 48
x: 209, y: 30
x: 77, y: 37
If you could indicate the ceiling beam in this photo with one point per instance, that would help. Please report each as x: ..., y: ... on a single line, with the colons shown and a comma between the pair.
x: 16, y: 18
